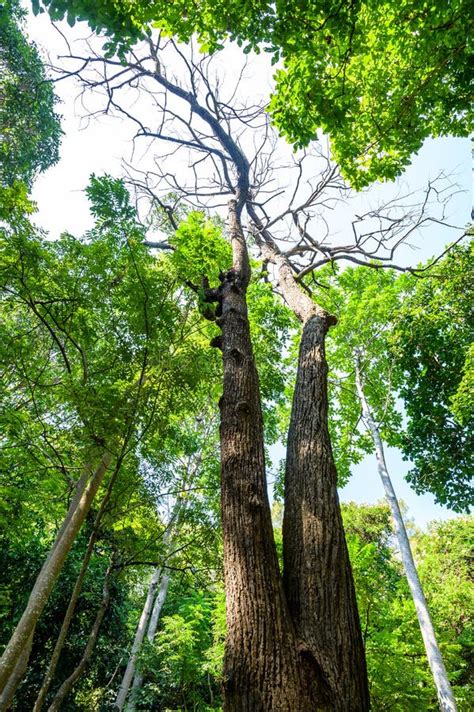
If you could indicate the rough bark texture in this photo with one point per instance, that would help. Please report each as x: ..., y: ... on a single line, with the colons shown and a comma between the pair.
x: 69, y: 683
x: 262, y: 669
x: 317, y: 574
x: 435, y: 659
x: 50, y: 571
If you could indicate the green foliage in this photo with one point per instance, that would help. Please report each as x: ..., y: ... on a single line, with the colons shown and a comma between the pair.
x: 29, y: 125
x: 184, y: 663
x: 432, y: 344
x: 444, y: 554
x: 201, y: 250
x: 378, y: 78
x: 414, y: 339
x: 399, y: 675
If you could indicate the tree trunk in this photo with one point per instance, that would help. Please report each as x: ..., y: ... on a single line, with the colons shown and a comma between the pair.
x: 74, y: 596
x: 317, y: 575
x: 150, y: 634
x: 50, y: 571
x: 138, y: 640
x: 262, y: 670
x: 433, y: 653
x: 146, y: 618
x: 69, y: 683
x: 6, y: 698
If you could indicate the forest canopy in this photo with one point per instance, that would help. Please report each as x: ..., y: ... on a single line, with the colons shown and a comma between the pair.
x: 378, y: 78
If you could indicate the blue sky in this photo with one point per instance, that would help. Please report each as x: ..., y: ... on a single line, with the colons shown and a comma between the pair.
x: 98, y: 146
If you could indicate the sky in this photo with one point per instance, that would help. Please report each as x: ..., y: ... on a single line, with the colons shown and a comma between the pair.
x: 98, y: 146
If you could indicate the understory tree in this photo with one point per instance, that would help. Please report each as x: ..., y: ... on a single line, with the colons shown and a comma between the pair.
x: 109, y: 370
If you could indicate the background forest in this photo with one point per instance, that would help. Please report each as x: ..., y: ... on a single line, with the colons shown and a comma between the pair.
x: 131, y: 511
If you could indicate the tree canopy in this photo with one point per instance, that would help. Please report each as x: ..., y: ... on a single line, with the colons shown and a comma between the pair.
x: 378, y: 78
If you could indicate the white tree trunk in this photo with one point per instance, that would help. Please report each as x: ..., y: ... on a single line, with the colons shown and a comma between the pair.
x: 435, y: 660
x: 150, y: 612
x: 150, y: 634
x: 137, y: 643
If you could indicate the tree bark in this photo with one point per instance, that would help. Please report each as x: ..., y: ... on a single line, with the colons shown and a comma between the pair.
x: 138, y: 640
x: 262, y: 670
x: 69, y: 683
x: 443, y: 688
x: 6, y: 698
x: 317, y: 575
x: 40, y: 700
x: 50, y: 571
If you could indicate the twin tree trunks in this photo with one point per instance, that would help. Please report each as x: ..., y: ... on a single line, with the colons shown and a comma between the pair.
x: 294, y: 643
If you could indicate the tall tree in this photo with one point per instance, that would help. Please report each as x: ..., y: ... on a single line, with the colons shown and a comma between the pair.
x: 277, y: 647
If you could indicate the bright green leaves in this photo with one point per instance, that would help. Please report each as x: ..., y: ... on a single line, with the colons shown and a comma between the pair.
x: 432, y: 344
x: 378, y: 78
x: 414, y: 338
x: 29, y: 126
x: 201, y: 250
x: 398, y: 670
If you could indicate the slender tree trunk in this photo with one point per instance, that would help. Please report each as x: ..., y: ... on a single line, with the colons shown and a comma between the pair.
x: 146, y: 618
x: 50, y: 571
x: 74, y: 596
x: 262, y: 670
x: 6, y: 698
x: 433, y: 653
x: 69, y: 683
x: 150, y: 634
x: 138, y: 640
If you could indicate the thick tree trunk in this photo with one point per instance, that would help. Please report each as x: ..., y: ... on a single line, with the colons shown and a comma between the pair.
x: 51, y: 569
x: 317, y: 574
x: 69, y: 683
x: 433, y: 653
x: 262, y: 669
x: 40, y: 700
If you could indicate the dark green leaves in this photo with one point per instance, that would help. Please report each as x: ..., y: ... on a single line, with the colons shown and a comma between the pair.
x: 29, y: 125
